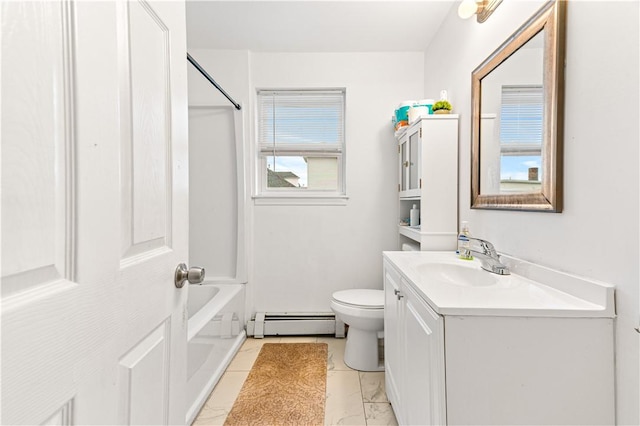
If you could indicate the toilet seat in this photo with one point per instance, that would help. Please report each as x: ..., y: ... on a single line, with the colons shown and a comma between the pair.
x: 360, y: 298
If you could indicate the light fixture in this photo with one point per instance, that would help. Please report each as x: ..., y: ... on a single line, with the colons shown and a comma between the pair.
x: 482, y: 8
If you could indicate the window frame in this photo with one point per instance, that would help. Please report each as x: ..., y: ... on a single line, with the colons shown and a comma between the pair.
x: 300, y: 196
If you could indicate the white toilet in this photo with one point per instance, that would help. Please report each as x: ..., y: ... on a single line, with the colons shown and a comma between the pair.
x: 363, y: 311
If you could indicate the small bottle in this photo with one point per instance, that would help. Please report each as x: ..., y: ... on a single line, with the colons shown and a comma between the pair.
x: 414, y: 216
x: 464, y: 246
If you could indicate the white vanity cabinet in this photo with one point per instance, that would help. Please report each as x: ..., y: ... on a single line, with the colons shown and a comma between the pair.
x: 428, y: 177
x: 414, y: 378
x: 394, y: 340
x: 449, y: 362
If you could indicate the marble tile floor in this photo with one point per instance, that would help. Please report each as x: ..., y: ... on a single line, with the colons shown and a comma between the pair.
x: 353, y: 397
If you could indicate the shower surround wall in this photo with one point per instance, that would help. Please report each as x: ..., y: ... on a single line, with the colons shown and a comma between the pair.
x: 217, y: 231
x: 596, y: 234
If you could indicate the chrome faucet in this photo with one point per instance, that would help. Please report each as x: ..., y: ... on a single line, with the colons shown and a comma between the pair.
x: 489, y: 258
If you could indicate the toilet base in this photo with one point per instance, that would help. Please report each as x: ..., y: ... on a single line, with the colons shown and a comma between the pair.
x: 361, y: 350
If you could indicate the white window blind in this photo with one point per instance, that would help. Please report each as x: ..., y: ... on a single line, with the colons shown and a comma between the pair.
x: 521, y: 120
x: 301, y: 140
x: 307, y: 119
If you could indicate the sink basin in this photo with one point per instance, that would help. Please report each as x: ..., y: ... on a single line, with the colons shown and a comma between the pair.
x: 457, y: 274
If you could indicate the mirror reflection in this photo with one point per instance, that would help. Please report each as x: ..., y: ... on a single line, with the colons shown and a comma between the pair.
x: 511, y: 122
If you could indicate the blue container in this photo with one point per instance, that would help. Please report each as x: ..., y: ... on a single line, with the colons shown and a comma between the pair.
x: 402, y: 113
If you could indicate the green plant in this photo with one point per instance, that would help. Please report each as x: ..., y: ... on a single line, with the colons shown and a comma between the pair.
x: 442, y: 105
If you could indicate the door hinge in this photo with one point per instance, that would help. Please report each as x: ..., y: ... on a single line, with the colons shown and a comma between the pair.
x: 420, y: 132
x: 398, y: 149
x: 398, y: 187
x: 420, y: 183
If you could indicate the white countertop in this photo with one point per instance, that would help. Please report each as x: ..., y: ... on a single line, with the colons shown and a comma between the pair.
x: 531, y: 290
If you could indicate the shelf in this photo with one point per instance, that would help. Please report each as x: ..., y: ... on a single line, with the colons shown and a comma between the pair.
x: 410, y: 194
x: 430, y: 240
x: 407, y: 231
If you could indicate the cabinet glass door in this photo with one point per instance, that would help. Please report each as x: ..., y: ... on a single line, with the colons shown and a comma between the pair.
x: 404, y: 162
x: 414, y: 159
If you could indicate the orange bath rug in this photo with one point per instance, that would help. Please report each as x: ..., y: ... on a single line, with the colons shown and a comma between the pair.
x: 286, y: 386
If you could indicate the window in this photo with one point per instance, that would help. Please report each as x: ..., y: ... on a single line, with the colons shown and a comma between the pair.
x: 301, y: 143
x: 521, y: 133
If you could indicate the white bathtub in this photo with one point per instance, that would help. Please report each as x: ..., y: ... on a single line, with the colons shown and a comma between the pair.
x: 215, y: 334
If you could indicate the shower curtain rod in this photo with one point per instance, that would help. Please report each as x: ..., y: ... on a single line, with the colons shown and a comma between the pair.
x: 212, y: 81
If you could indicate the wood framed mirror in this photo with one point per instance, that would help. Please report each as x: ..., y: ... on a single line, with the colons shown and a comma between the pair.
x: 517, y: 118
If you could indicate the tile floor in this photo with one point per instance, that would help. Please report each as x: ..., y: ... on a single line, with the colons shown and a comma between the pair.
x: 353, y: 397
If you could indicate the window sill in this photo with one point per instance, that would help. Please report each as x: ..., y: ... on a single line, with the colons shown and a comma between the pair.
x: 300, y: 200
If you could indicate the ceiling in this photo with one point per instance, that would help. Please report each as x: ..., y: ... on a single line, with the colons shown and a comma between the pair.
x: 314, y: 25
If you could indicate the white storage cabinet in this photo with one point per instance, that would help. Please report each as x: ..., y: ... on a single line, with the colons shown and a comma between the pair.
x: 428, y: 177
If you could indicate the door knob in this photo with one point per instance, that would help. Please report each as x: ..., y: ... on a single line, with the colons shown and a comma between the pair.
x: 194, y: 275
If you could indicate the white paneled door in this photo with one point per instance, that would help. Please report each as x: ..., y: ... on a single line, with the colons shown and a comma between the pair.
x: 94, y: 212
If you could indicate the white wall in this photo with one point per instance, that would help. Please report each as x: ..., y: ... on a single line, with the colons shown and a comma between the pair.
x: 304, y: 253
x: 596, y: 234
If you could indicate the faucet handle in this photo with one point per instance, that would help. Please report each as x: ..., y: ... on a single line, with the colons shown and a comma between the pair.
x: 500, y: 270
x: 489, y: 249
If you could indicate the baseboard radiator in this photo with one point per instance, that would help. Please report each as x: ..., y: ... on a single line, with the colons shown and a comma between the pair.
x: 294, y: 324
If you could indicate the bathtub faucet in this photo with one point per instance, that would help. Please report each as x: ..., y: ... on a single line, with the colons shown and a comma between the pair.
x: 489, y: 257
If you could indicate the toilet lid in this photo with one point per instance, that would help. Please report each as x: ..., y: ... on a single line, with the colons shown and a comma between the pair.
x: 361, y: 298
